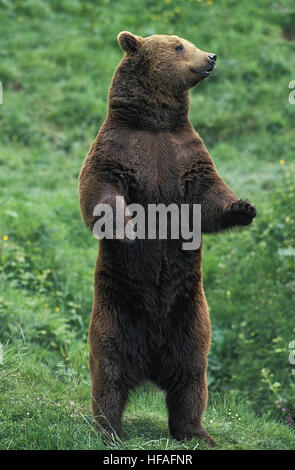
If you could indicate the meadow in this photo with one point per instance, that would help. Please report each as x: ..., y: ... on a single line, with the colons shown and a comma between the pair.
x: 56, y: 63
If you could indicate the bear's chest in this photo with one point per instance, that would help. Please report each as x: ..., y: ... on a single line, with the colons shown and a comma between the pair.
x: 161, y: 165
x: 159, y: 178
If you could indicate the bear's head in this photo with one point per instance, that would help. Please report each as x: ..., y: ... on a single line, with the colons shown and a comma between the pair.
x: 169, y: 62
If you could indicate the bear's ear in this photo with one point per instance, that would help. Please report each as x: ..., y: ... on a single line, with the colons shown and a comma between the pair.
x: 128, y: 41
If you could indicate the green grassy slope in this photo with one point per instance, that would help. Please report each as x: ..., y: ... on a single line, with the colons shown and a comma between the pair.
x: 57, y: 60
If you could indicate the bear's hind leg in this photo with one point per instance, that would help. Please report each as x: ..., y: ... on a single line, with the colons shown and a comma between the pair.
x: 109, y: 396
x: 186, y: 402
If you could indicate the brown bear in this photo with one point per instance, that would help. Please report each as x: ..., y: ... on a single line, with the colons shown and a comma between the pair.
x: 150, y: 319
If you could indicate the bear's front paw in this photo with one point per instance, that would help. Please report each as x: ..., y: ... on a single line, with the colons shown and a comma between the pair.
x: 241, y: 212
x: 126, y: 233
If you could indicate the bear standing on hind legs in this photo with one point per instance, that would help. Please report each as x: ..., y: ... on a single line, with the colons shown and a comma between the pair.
x: 150, y: 319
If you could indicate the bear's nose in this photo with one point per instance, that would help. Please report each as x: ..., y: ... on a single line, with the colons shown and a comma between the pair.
x: 212, y: 57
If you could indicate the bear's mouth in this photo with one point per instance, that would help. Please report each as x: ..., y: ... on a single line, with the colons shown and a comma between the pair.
x: 203, y: 73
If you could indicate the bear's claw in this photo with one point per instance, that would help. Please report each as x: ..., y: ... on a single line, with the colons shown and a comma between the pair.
x: 245, y: 207
x: 241, y: 212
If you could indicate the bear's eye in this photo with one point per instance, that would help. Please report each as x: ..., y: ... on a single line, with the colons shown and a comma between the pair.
x: 179, y: 47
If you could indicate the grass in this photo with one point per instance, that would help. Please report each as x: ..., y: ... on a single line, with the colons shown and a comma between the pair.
x: 50, y: 410
x: 57, y: 60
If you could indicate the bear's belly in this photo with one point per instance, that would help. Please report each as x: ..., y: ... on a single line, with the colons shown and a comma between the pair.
x: 153, y: 272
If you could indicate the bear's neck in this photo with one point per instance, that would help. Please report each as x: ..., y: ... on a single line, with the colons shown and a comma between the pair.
x: 134, y: 102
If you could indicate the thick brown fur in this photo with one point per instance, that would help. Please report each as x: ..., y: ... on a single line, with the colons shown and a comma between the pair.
x: 150, y: 319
